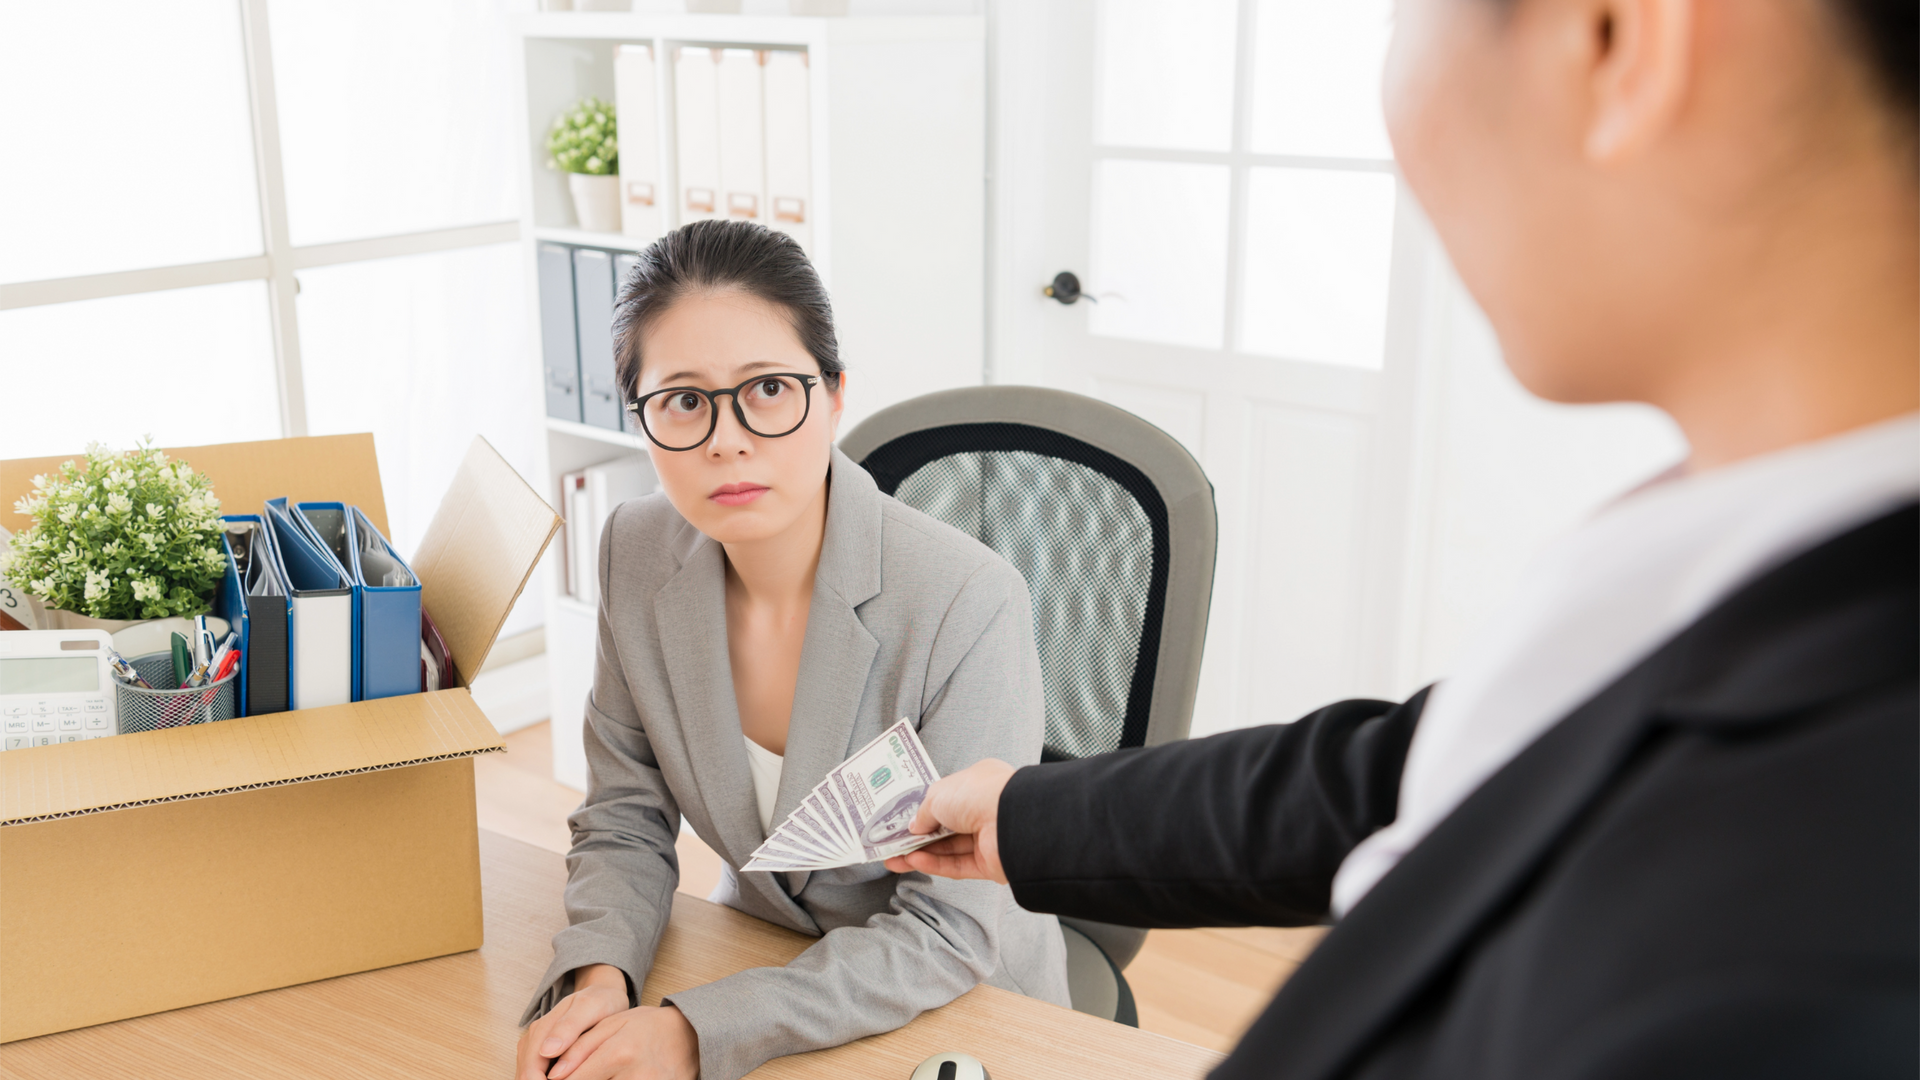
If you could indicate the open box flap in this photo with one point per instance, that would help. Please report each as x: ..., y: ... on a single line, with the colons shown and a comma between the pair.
x: 479, y: 550
x: 70, y: 779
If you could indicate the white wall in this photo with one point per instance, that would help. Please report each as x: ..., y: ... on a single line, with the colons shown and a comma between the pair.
x: 1498, y: 474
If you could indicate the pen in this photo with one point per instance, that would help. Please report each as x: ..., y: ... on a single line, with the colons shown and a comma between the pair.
x: 127, y: 672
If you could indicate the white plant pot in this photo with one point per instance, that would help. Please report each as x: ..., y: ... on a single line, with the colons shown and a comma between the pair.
x: 132, y: 637
x: 596, y: 201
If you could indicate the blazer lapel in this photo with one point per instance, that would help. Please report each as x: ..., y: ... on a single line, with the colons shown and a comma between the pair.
x: 839, y: 652
x: 690, y: 613
x: 1809, y: 631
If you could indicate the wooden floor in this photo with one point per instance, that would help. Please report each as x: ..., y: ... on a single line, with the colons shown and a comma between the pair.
x: 1203, y: 986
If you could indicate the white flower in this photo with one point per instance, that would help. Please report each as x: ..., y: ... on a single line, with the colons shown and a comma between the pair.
x: 118, y: 503
x: 96, y: 585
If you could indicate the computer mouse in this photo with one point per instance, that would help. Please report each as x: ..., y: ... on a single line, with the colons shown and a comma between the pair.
x: 951, y: 1067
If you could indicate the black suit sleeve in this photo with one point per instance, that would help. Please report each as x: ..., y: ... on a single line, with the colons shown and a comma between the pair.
x: 1244, y: 828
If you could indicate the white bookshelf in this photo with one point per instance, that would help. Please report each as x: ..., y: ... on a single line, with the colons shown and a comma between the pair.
x: 898, y: 141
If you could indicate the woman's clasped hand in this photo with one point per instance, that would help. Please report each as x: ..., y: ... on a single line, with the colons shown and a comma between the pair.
x: 593, y: 1035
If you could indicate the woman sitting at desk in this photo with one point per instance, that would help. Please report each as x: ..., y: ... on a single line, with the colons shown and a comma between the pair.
x: 764, y: 617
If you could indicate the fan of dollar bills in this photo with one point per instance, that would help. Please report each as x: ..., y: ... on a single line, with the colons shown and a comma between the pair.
x: 860, y: 813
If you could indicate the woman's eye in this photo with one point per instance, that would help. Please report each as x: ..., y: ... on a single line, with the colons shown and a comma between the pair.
x: 771, y: 388
x: 684, y: 402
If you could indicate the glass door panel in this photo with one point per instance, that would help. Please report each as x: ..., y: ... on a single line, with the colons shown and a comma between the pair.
x: 1319, y: 257
x: 1316, y: 83
x: 1165, y: 73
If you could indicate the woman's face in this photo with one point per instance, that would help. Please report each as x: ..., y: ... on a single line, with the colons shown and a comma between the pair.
x: 1483, y: 149
x: 1596, y: 194
x: 738, y: 487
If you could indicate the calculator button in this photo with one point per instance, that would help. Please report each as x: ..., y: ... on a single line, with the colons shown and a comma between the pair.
x: 17, y: 725
x: 41, y: 708
x: 70, y: 723
x: 17, y: 742
x: 96, y: 723
x: 96, y: 706
x: 16, y: 710
x: 42, y: 723
x: 69, y: 706
x: 97, y: 734
x: 72, y: 736
x: 43, y: 740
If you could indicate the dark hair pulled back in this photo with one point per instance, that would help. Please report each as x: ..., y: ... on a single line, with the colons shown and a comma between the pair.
x: 713, y: 255
x: 1887, y: 32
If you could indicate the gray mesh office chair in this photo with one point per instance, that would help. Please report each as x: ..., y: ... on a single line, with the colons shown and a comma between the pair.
x: 1112, y: 522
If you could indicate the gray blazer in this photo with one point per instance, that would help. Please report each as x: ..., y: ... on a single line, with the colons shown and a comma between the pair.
x: 910, y: 617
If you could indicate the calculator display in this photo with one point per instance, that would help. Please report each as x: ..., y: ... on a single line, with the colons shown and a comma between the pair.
x: 49, y: 675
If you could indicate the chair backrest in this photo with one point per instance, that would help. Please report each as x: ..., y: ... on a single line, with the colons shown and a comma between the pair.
x: 1112, y: 523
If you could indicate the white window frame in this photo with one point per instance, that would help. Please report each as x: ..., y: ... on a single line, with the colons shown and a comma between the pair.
x: 1240, y: 162
x: 280, y: 260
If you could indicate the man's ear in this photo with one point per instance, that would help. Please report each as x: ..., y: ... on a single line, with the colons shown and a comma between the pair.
x: 1642, y: 57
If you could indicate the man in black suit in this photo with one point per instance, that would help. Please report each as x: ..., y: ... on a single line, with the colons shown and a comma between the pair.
x: 1664, y: 820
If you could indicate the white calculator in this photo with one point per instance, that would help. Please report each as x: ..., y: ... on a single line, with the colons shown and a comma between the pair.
x: 55, y: 687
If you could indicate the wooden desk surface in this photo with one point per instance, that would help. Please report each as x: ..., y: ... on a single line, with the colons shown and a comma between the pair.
x: 455, y: 1016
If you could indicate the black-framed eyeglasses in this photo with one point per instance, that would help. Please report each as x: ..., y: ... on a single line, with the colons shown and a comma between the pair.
x: 683, y: 417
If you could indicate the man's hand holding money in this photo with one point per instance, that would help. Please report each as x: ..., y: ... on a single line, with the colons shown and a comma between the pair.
x: 968, y: 802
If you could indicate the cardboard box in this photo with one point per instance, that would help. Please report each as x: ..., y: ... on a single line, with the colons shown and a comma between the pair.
x: 169, y: 868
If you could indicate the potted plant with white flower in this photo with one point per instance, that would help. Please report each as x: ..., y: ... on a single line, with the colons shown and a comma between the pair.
x: 118, y: 539
x: 582, y: 143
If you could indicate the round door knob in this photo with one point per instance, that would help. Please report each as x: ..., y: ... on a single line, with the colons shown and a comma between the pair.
x: 1065, y: 287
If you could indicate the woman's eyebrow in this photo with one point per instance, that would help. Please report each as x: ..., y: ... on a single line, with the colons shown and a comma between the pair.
x: 742, y: 370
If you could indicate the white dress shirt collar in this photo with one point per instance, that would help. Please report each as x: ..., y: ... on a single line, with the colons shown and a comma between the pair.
x: 1606, y: 596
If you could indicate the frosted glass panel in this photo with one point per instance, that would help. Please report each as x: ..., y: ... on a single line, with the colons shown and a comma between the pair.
x: 1316, y: 77
x: 125, y: 140
x: 1165, y: 73
x: 1319, y: 249
x: 187, y: 366
x: 424, y: 351
x: 1159, y: 251
x: 393, y: 116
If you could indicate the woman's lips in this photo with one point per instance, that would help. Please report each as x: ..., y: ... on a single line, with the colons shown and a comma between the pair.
x: 737, y: 494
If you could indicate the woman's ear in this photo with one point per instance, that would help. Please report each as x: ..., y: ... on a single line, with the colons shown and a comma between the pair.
x: 1642, y: 62
x: 837, y: 396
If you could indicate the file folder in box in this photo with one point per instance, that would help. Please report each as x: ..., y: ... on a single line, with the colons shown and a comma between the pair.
x: 256, y: 600
x: 320, y: 621
x: 230, y: 603
x: 389, y: 612
x: 327, y: 524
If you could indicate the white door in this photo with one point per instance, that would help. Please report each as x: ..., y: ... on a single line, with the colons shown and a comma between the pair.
x: 1216, y: 174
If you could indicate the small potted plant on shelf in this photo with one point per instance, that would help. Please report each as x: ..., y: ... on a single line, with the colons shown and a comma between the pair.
x: 582, y: 144
x: 119, y: 539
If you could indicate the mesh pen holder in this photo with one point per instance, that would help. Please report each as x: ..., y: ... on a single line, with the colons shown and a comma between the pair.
x: 150, y: 710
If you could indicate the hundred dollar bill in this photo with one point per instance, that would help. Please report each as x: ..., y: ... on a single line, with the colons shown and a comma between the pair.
x: 860, y: 813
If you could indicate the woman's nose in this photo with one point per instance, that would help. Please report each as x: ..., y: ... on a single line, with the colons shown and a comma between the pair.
x: 730, y: 438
